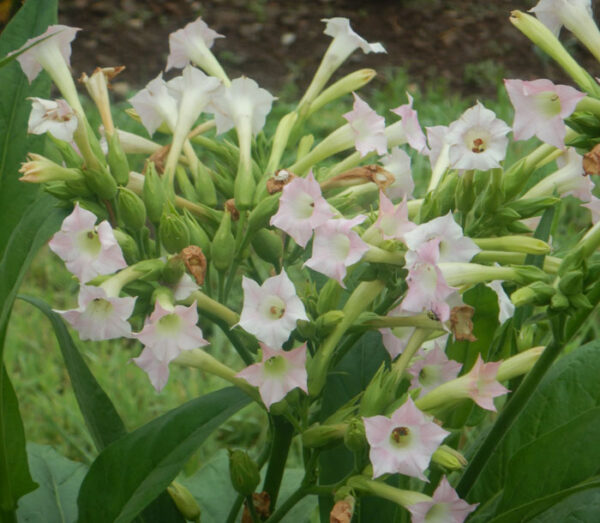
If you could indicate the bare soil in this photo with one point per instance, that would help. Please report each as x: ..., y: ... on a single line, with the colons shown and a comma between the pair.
x: 469, y: 43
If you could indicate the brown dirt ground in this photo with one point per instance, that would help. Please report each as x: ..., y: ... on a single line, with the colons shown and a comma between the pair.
x: 469, y: 43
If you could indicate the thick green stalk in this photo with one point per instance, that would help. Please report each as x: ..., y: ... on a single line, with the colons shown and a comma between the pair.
x: 282, y: 438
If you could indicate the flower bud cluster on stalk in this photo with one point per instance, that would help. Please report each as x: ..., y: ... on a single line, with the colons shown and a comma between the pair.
x: 297, y: 247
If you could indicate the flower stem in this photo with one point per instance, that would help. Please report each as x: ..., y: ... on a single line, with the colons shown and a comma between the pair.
x: 282, y: 439
x: 288, y: 505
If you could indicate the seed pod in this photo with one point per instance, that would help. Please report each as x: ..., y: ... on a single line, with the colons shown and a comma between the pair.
x: 173, y: 232
x: 355, y: 438
x: 259, y: 216
x: 131, y: 210
x: 223, y: 245
x: 154, y: 194
x: 117, y: 160
x: 243, y: 472
x: 128, y: 245
x: 268, y: 246
x: 101, y: 182
x: 184, y: 501
x: 198, y: 235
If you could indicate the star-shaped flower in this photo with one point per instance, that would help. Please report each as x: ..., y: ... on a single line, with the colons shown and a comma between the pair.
x: 410, y: 127
x: 271, y: 310
x: 445, y: 507
x: 368, y: 128
x: 155, y: 104
x: 302, y: 209
x: 432, y: 370
x: 87, y: 250
x: 477, y: 140
x: 53, y: 116
x: 279, y: 372
x: 398, y: 163
x: 99, y: 316
x: 335, y: 247
x: 192, y: 44
x: 346, y: 40
x: 392, y: 220
x: 403, y: 443
x: 540, y: 109
x: 167, y: 333
x: 482, y: 384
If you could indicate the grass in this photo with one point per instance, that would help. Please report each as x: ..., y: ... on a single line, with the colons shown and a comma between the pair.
x: 33, y: 360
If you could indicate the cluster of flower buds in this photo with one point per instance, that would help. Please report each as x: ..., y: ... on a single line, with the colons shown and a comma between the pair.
x: 209, y: 219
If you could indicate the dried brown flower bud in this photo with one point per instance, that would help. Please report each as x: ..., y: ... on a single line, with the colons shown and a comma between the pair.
x: 342, y: 511
x: 232, y: 209
x: 262, y: 506
x: 281, y: 178
x: 195, y: 262
x: 591, y: 161
x: 363, y: 174
x: 461, y: 324
x: 159, y: 158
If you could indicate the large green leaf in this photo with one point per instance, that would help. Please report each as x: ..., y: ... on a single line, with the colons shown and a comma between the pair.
x: 131, y: 472
x: 583, y: 507
x: 55, y: 501
x: 569, y: 390
x: 99, y: 413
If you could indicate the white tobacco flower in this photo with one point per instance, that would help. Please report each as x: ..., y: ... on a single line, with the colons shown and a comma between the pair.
x: 167, y: 333
x: 506, y: 309
x: 155, y: 104
x: 99, y: 316
x: 408, y: 130
x: 278, y: 373
x: 445, y: 507
x: 192, y: 44
x: 454, y: 246
x: 594, y: 207
x: 368, y: 128
x: 403, y: 443
x: 335, y: 247
x: 87, y: 250
x: 345, y: 40
x: 477, y: 140
x: 271, y: 310
x: 240, y: 104
x: 573, y: 14
x: 52, y: 116
x: 397, y: 162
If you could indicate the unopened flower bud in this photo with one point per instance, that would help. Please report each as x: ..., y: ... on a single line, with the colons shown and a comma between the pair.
x: 223, y: 244
x: 153, y: 193
x: 321, y: 435
x: 536, y: 293
x: 571, y: 283
x: 173, y: 232
x: 306, y: 329
x: 261, y: 214
x: 243, y: 472
x: 184, y: 501
x: 117, y: 160
x: 173, y: 270
x: 524, y: 244
x: 329, y: 296
x: 59, y: 190
x: 559, y: 302
x: 197, y: 234
x: 101, y: 182
x: 69, y: 155
x: 39, y: 169
x: 355, y: 438
x: 268, y: 245
x: 580, y: 301
x: 527, y: 207
x: 128, y: 245
x: 519, y: 364
x: 131, y: 210
x: 525, y: 337
x: 449, y: 458
x: 328, y: 321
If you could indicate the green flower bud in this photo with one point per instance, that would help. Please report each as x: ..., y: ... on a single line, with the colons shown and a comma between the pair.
x: 261, y: 214
x: 321, y: 435
x: 59, y: 190
x: 328, y: 321
x: 101, y: 182
x: 223, y: 245
x: 184, y: 501
x: 536, y: 293
x: 205, y: 188
x: 329, y: 296
x: 197, y: 234
x: 306, y: 329
x: 559, y: 302
x: 355, y: 438
x: 128, y: 246
x: 79, y: 188
x: 154, y: 194
x: 580, y: 301
x: 449, y: 458
x: 117, y: 160
x: 131, y: 209
x: 173, y: 270
x: 243, y: 188
x: 528, y: 207
x: 506, y: 214
x: 525, y: 337
x: 268, y: 246
x: 71, y: 158
x: 571, y: 283
x: 243, y: 472
x: 173, y: 232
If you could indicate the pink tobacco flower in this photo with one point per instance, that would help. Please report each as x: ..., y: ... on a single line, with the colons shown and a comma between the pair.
x: 53, y: 116
x: 427, y: 288
x: 477, y: 140
x: 52, y: 52
x: 540, y: 109
x: 155, y: 104
x: 454, y: 247
x: 505, y: 306
x: 335, y: 247
x: 191, y: 44
x: 302, y: 209
x: 99, y: 316
x: 392, y: 220
x: 167, y: 333
x: 271, y: 310
x: 368, y: 128
x: 279, y: 372
x: 87, y: 250
x: 411, y: 128
x: 403, y: 443
x: 445, y: 507
x: 397, y: 162
x: 395, y: 340
x: 594, y: 207
x: 243, y: 102
x: 483, y: 387
x: 432, y: 370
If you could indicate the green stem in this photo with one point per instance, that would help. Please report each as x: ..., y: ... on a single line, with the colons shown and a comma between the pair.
x: 282, y: 439
x: 289, y: 503
x: 8, y: 516
x: 414, y: 343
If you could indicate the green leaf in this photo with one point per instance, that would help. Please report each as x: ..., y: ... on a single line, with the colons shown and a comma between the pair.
x: 557, y: 460
x: 59, y: 479
x: 582, y: 507
x: 132, y: 471
x: 99, y: 413
x: 31, y: 20
x: 569, y: 390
